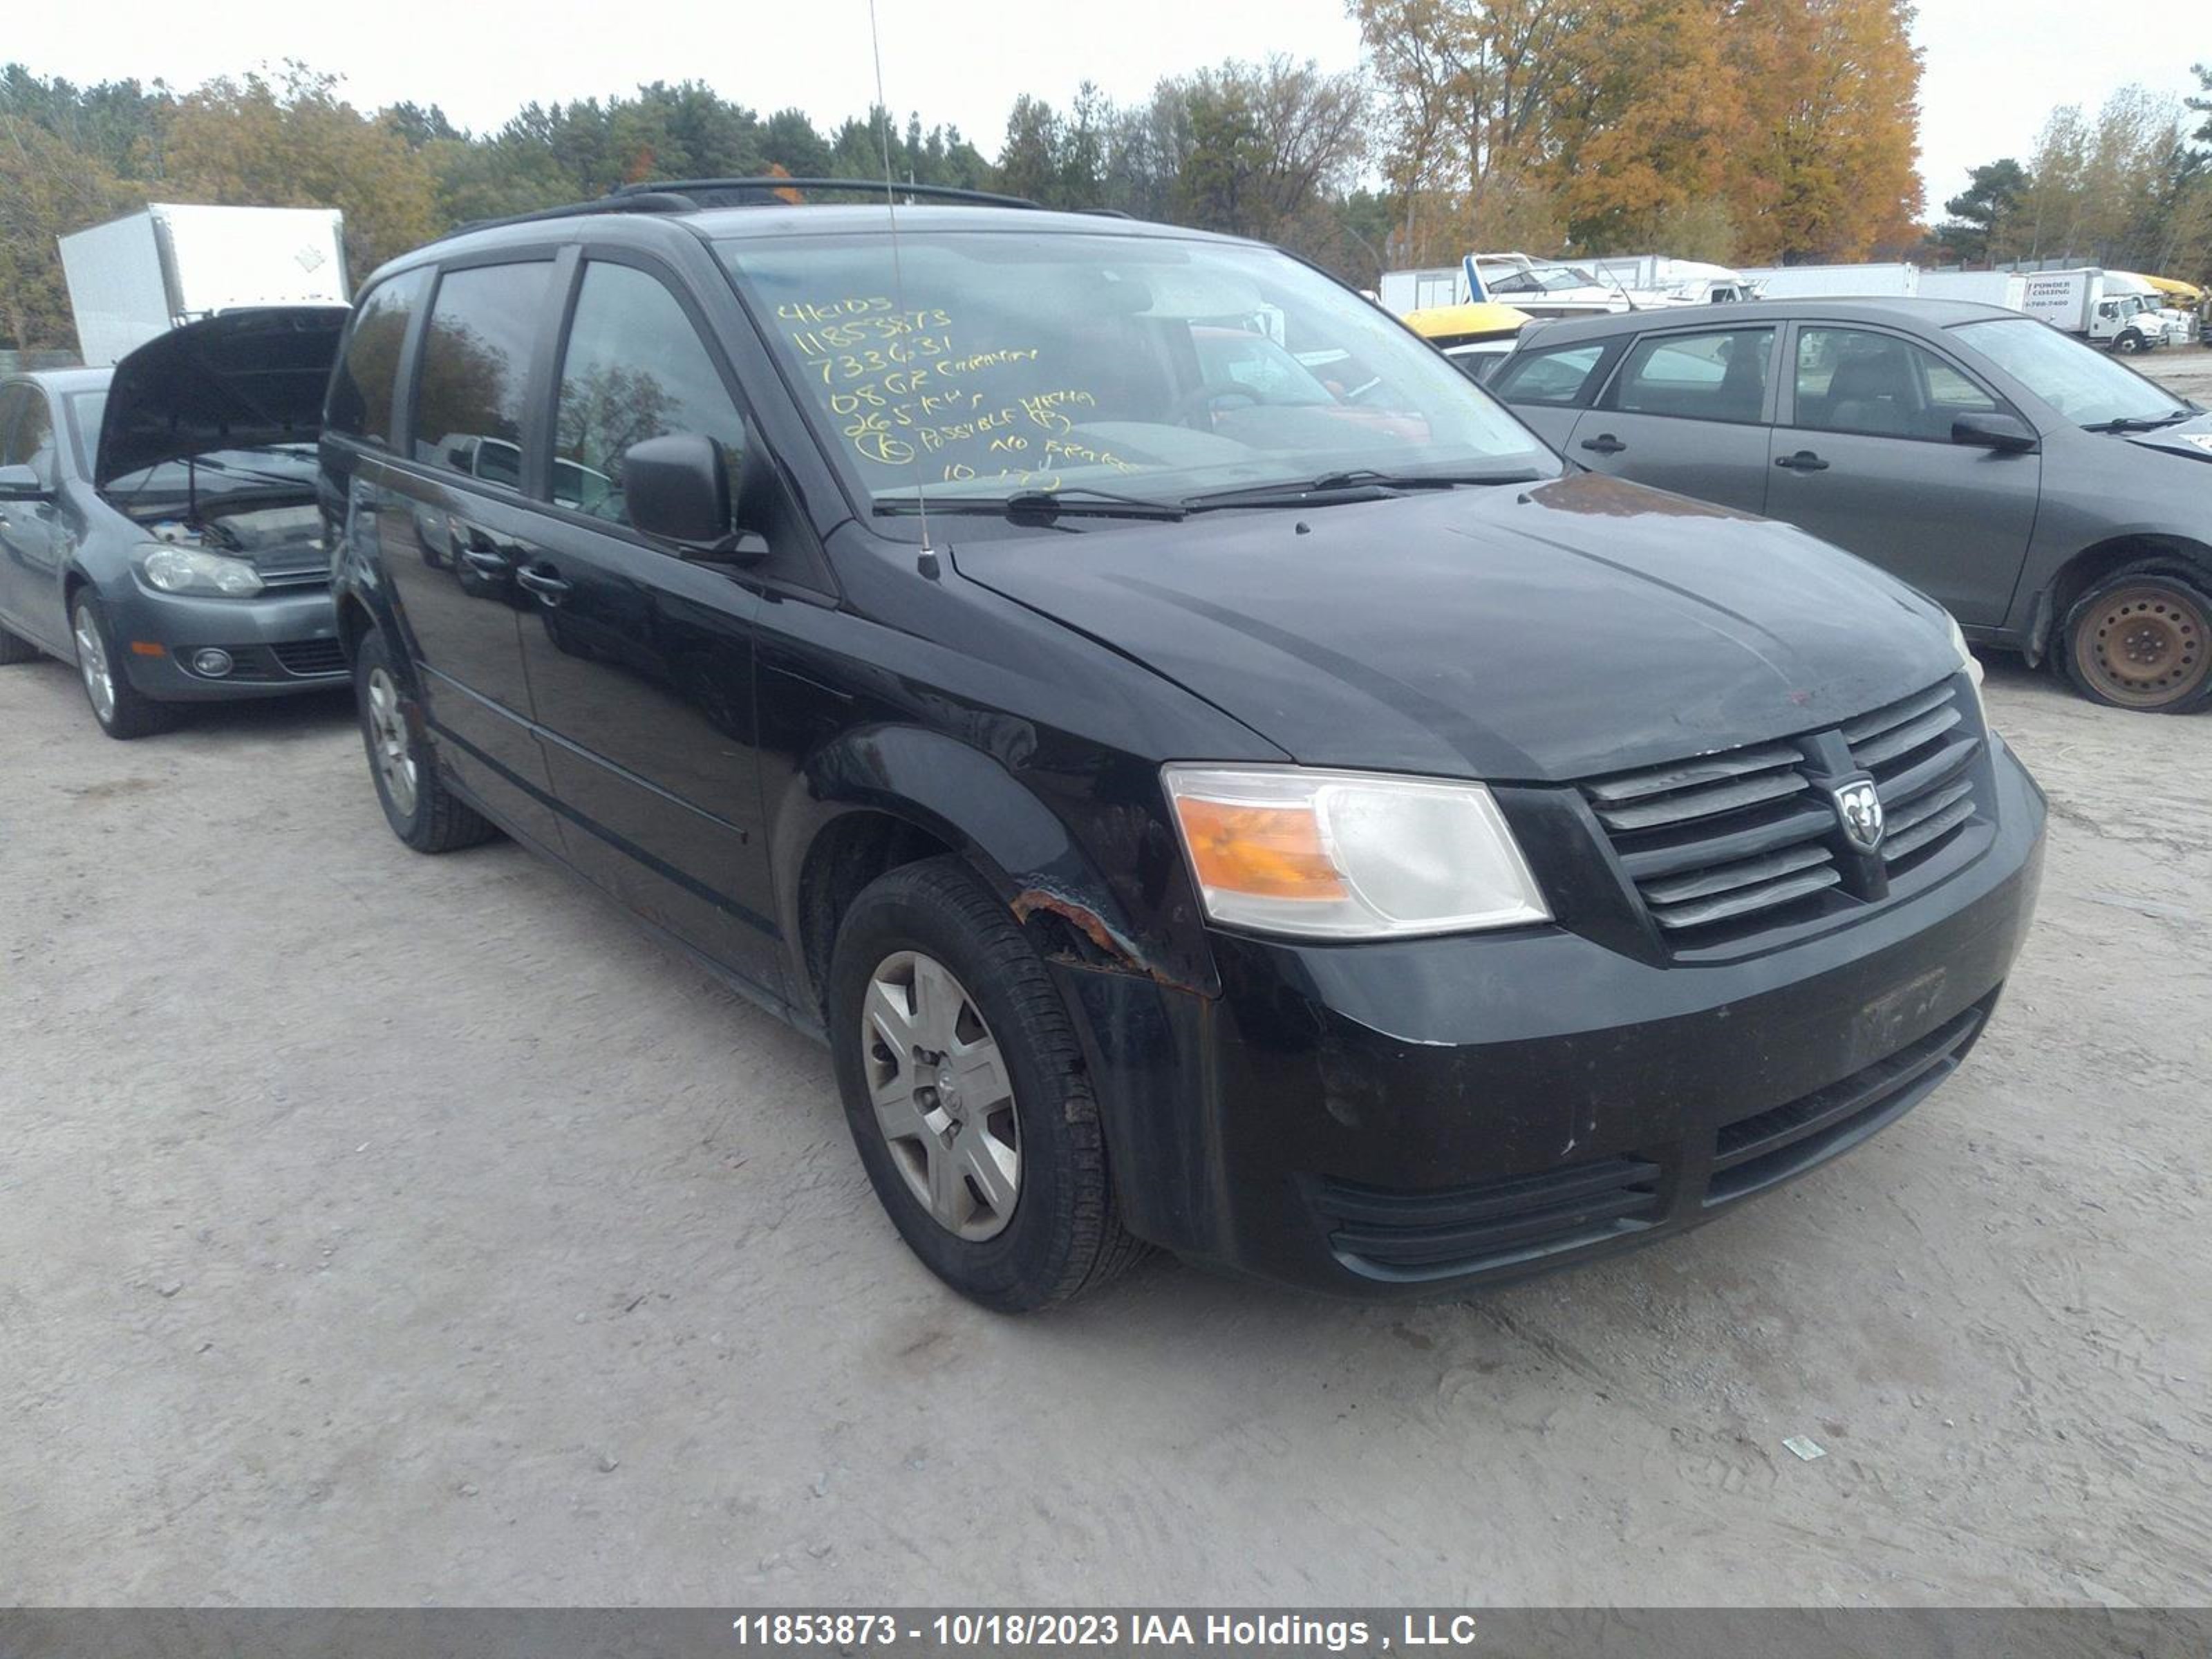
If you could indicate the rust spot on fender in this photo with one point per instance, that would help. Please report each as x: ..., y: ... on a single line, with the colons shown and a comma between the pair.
x: 1120, y: 955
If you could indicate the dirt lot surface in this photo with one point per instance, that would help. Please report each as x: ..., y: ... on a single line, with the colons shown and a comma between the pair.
x: 385, y: 1229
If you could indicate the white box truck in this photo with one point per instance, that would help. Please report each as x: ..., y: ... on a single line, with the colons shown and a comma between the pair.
x: 140, y: 276
x: 2083, y: 302
x: 2008, y: 288
x: 1880, y: 280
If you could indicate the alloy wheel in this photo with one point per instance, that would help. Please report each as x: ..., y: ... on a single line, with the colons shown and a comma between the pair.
x: 92, y: 663
x: 942, y: 1095
x: 387, y: 734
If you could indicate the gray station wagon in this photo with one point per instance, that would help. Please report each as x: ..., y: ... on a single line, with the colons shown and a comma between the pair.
x: 2049, y: 496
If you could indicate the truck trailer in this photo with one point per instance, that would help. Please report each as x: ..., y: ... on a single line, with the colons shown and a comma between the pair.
x: 140, y: 276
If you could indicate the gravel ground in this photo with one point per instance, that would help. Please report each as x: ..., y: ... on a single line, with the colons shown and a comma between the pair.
x: 384, y: 1229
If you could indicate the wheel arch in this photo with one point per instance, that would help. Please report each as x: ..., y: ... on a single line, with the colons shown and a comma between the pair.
x: 2078, y: 575
x: 356, y: 622
x: 879, y: 797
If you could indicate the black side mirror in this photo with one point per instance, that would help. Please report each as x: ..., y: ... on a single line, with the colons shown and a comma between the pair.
x: 22, y: 483
x: 2007, y: 433
x: 676, y: 488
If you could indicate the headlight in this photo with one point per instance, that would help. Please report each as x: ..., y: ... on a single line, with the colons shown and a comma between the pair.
x: 1349, y: 854
x: 189, y: 570
x: 1972, y: 664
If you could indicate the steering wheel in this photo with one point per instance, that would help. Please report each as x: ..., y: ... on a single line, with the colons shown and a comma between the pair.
x: 1204, y: 400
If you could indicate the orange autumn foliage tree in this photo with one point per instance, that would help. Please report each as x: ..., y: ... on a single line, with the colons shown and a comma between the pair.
x: 1824, y: 163
x: 1755, y: 129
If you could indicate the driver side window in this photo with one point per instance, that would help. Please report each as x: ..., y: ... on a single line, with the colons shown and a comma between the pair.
x: 1850, y: 380
x: 634, y: 369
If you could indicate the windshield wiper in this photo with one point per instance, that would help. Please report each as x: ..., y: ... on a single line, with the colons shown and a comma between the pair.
x: 2138, y: 422
x: 1077, y: 500
x: 1354, y: 484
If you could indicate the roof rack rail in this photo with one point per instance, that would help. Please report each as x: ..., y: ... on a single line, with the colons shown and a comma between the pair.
x: 683, y: 196
x: 694, y: 187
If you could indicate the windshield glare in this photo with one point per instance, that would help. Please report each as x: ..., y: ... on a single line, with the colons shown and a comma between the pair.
x: 2081, y: 383
x: 992, y: 362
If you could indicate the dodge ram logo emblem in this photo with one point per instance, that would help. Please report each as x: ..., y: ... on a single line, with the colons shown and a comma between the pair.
x: 1859, y: 810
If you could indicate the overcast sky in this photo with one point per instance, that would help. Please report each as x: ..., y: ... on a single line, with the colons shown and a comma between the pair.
x: 1993, y: 72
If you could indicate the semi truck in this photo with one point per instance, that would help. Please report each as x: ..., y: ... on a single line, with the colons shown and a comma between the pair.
x: 140, y: 276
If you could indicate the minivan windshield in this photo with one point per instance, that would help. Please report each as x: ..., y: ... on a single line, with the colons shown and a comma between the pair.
x: 993, y: 364
x: 2083, y: 384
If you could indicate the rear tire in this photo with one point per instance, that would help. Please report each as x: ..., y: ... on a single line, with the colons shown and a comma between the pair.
x: 421, y: 811
x: 2142, y: 639
x: 977, y: 1124
x: 123, y: 710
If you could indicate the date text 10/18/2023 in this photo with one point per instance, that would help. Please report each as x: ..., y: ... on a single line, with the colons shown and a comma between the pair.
x: 1245, y: 1631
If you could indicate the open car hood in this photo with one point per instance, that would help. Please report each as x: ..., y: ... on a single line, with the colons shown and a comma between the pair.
x: 239, y: 380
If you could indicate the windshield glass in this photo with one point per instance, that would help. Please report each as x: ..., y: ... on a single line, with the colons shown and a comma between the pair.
x: 285, y: 466
x: 2083, y: 384
x: 992, y: 362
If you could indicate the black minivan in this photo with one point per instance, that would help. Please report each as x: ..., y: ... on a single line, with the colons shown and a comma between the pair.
x: 1286, y: 816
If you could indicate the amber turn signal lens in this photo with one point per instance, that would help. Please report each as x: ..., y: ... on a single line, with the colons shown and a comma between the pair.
x: 1268, y: 852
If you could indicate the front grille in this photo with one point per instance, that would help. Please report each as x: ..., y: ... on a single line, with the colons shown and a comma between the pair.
x: 306, y: 657
x: 1723, y: 846
x: 1918, y: 751
x: 1758, y: 1152
x: 1467, y: 1229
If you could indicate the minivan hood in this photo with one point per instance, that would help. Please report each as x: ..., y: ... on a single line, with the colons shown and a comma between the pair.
x: 1561, y: 630
x: 237, y: 380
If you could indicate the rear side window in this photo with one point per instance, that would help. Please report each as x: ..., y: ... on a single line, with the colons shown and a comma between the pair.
x: 1719, y: 376
x: 635, y: 368
x: 1548, y: 377
x: 471, y: 389
x: 365, y: 389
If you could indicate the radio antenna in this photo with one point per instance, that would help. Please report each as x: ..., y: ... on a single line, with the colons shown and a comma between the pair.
x: 925, y: 560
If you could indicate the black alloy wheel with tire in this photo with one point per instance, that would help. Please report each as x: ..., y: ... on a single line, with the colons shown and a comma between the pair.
x: 123, y: 710
x: 2142, y: 639
x: 964, y: 1089
x: 421, y: 811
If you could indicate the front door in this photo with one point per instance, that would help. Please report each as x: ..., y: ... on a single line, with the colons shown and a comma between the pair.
x: 640, y: 661
x: 1864, y: 458
x: 30, y: 530
x: 1688, y: 411
x: 455, y: 526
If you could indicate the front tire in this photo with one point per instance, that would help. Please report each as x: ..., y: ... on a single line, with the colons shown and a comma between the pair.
x: 421, y: 811
x: 123, y: 710
x: 2142, y: 639
x: 2130, y: 344
x: 963, y: 1086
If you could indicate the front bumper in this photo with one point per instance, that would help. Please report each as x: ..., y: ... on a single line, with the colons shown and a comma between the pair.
x: 282, y: 642
x: 1396, y: 1118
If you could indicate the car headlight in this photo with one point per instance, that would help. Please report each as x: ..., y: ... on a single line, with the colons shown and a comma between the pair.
x: 1971, y: 665
x: 190, y: 570
x: 1324, y: 855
